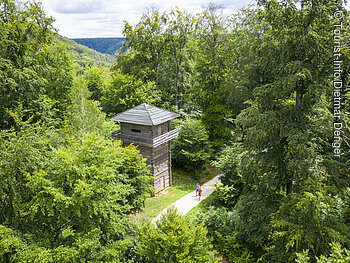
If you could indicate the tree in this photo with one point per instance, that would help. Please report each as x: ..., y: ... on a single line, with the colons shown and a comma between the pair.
x: 177, y: 71
x: 126, y: 92
x: 289, y: 184
x: 287, y: 112
x: 213, y: 65
x: 191, y: 149
x: 69, y: 204
x: 84, y: 114
x: 220, y: 223
x: 144, y: 46
x: 31, y: 64
x: 229, y: 164
x: 98, y: 78
x: 338, y: 254
x: 159, y: 50
x: 173, y: 238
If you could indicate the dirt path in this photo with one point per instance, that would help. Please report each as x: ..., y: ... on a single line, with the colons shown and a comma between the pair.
x: 186, y: 203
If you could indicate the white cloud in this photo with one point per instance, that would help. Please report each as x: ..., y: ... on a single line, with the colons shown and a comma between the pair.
x: 104, y: 18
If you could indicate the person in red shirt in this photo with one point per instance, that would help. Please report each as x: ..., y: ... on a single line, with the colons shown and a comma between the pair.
x: 200, y: 193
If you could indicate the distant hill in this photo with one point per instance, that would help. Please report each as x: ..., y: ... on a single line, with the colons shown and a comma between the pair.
x: 103, y: 45
x: 83, y: 54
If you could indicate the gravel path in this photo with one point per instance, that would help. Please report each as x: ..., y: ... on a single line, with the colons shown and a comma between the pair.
x: 186, y: 203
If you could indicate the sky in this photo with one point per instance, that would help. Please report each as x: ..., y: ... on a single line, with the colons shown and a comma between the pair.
x: 104, y: 18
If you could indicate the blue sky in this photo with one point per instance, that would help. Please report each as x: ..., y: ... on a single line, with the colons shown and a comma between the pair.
x: 104, y: 18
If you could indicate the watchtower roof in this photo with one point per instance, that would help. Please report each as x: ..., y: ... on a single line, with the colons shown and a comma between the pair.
x: 145, y: 114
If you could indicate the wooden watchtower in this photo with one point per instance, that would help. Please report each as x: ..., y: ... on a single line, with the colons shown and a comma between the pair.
x: 148, y: 127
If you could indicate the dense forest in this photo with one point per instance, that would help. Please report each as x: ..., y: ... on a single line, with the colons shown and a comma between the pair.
x: 82, y: 54
x: 263, y: 97
x: 104, y: 45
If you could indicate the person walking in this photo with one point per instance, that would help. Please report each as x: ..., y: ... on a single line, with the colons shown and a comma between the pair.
x: 197, y: 187
x: 199, y: 193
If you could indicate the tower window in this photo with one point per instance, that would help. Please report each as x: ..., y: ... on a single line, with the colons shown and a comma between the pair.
x: 136, y: 130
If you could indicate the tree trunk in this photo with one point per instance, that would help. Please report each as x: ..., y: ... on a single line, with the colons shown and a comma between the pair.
x: 299, y: 100
x: 177, y: 76
x: 289, y: 186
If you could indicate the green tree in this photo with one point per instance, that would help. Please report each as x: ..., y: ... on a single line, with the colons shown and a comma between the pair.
x: 84, y: 114
x: 126, y: 92
x: 338, y: 255
x: 69, y: 204
x: 98, y: 78
x: 213, y: 65
x: 145, y: 47
x: 220, y: 223
x: 191, y: 149
x: 228, y: 163
x: 283, y: 124
x: 158, y: 50
x: 307, y: 220
x: 31, y: 64
x: 173, y: 238
x: 178, y: 69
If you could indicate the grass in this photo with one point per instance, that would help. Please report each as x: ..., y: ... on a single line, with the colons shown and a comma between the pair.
x: 183, y: 183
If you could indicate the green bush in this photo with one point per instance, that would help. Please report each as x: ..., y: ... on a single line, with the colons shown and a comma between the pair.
x: 225, y: 196
x: 173, y: 239
x: 228, y: 164
x: 191, y: 150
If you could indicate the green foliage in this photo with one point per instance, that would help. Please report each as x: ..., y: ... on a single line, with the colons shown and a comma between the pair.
x: 68, y: 204
x: 192, y: 62
x: 253, y: 225
x: 146, y: 44
x: 215, y: 58
x: 173, y: 238
x: 338, y: 255
x: 84, y: 56
x: 286, y: 134
x: 97, y: 80
x: 84, y: 115
x: 221, y: 226
x: 65, y: 194
x: 305, y: 221
x: 191, y: 149
x: 126, y: 92
x: 302, y: 257
x: 22, y: 153
x: 31, y: 63
x: 228, y: 164
x: 159, y: 50
x: 226, y: 196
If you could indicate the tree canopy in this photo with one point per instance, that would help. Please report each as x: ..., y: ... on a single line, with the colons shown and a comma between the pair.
x: 256, y: 91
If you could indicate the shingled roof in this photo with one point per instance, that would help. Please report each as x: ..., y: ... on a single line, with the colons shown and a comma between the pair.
x: 145, y: 114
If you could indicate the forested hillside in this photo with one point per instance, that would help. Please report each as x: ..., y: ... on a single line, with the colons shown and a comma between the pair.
x: 107, y: 45
x: 83, y: 54
x: 258, y: 93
